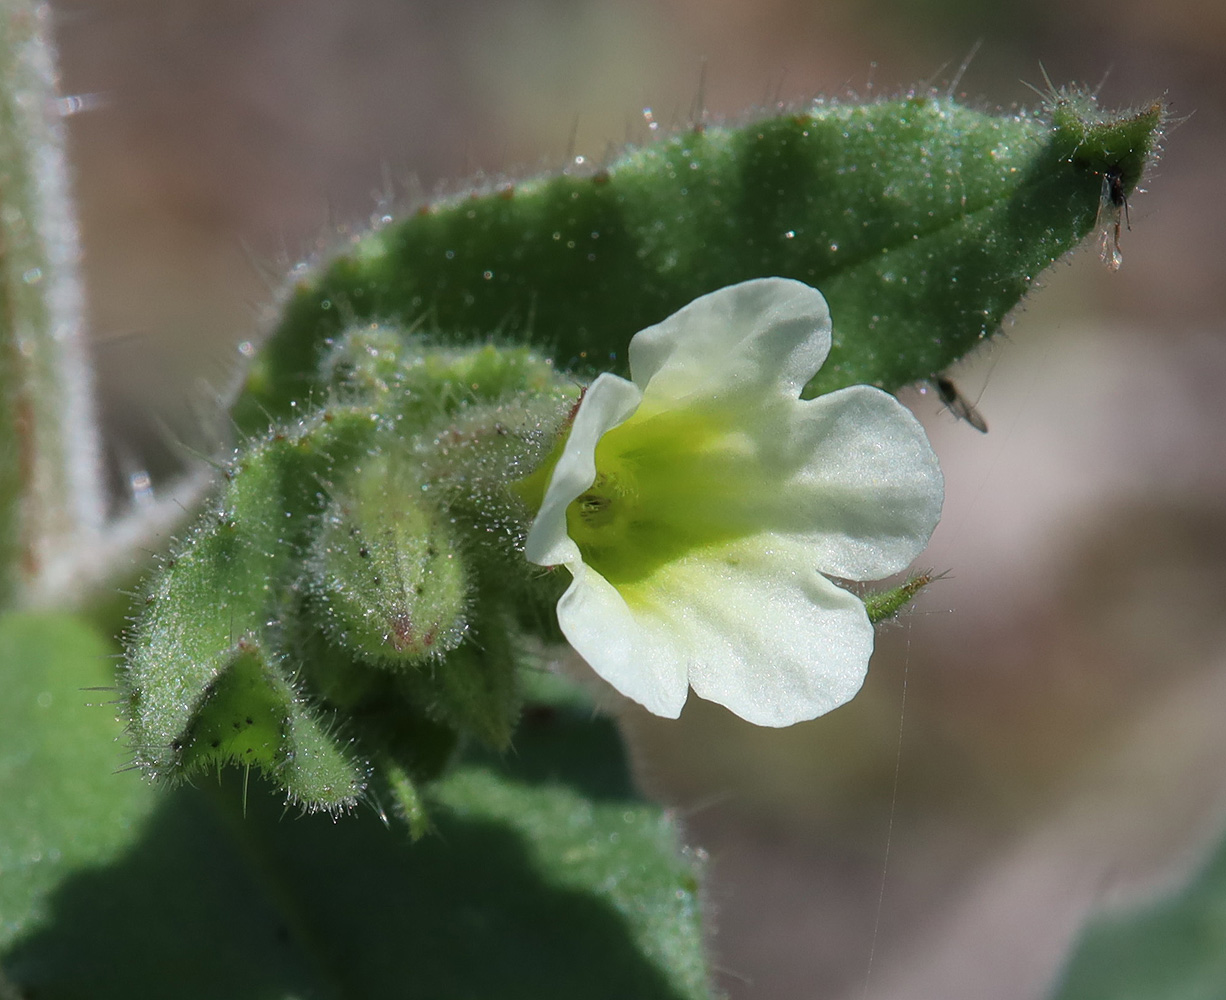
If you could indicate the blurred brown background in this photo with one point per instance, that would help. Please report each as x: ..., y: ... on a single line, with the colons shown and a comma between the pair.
x: 1062, y: 745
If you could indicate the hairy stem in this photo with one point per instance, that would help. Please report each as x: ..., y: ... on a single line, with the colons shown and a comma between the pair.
x: 51, y: 498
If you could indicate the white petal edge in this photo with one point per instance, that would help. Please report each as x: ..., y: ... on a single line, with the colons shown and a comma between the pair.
x: 873, y: 482
x: 609, y: 401
x: 637, y: 656
x: 766, y: 335
x: 850, y: 473
x: 758, y: 630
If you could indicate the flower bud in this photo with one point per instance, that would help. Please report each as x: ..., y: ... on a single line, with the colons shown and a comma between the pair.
x: 387, y: 573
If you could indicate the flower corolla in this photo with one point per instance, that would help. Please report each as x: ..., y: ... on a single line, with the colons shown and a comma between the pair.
x: 698, y: 506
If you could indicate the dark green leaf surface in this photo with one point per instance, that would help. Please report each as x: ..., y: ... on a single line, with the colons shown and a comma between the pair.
x: 922, y: 222
x: 63, y: 806
x: 1174, y: 949
x: 544, y: 877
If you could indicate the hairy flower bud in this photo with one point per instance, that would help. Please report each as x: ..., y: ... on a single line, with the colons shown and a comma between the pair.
x: 387, y: 572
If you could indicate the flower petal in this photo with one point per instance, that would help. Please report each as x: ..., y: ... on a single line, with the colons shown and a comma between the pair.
x: 637, y: 655
x: 608, y: 402
x: 758, y: 629
x: 720, y: 500
x: 850, y: 474
x: 766, y: 335
x: 855, y: 477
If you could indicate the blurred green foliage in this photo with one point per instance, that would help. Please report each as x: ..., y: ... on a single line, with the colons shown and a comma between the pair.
x: 545, y: 875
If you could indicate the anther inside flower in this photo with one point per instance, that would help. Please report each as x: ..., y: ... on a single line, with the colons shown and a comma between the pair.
x: 699, y: 505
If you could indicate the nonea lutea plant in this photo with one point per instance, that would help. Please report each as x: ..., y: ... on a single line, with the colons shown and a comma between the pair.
x: 641, y: 408
x: 443, y: 409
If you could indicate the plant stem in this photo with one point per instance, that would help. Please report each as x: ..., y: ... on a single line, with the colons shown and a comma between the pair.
x: 51, y: 497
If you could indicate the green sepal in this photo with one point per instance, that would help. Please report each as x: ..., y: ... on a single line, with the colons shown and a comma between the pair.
x: 386, y: 571
x: 474, y: 689
x: 231, y: 579
x: 416, y: 381
x: 1102, y: 144
x: 408, y: 802
x: 241, y: 717
x: 406, y: 744
x: 251, y: 716
x: 884, y: 604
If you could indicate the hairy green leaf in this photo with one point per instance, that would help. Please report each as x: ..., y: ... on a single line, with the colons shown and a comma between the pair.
x: 546, y: 876
x: 64, y: 805
x: 921, y: 221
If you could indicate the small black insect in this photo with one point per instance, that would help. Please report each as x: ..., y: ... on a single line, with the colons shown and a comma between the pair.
x: 958, y: 404
x: 1112, y: 206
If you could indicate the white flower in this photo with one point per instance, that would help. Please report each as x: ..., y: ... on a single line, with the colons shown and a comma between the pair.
x: 698, y: 506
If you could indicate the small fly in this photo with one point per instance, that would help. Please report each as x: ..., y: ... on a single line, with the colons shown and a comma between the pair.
x: 958, y: 404
x: 1112, y: 207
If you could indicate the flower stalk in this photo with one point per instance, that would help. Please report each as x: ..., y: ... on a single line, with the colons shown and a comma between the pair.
x: 51, y: 497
